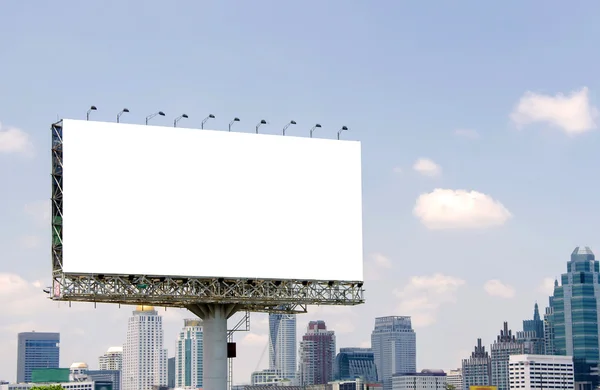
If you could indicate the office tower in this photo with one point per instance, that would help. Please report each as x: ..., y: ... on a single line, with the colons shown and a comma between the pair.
x: 282, y: 345
x: 454, y: 378
x: 352, y: 363
x: 36, y: 350
x: 532, y: 336
x: 171, y: 373
x: 477, y: 369
x: 424, y: 380
x: 541, y: 372
x: 188, y: 358
x: 394, y: 345
x: 505, y: 345
x: 317, y: 354
x: 112, y: 359
x: 575, y: 314
x: 144, y: 356
x: 549, y: 326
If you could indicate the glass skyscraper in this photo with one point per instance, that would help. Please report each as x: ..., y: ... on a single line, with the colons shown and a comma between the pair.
x: 532, y: 336
x: 352, y: 363
x: 282, y: 345
x: 574, y: 309
x: 394, y: 344
x: 189, y: 355
x: 36, y: 350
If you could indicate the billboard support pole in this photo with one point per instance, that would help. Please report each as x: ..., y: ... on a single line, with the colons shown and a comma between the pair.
x: 214, y: 317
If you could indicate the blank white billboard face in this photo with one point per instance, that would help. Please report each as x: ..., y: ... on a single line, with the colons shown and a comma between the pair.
x: 151, y: 200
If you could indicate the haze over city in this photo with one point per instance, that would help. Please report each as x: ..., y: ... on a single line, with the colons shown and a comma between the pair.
x: 478, y: 128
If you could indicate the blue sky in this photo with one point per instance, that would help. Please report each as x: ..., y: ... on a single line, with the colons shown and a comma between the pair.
x: 404, y: 76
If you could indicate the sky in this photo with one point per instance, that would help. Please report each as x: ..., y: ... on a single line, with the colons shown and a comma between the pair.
x: 478, y: 123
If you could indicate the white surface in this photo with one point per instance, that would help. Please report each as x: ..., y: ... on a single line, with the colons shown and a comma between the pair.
x: 186, y: 202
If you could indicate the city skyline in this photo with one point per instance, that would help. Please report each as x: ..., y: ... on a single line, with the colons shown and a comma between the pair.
x: 498, y: 99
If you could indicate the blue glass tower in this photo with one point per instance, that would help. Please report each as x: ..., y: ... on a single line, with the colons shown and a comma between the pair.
x: 575, y: 306
x: 352, y: 363
x: 36, y: 350
x: 532, y: 336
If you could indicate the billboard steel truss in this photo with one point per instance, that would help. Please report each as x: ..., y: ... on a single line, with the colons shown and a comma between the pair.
x: 256, y: 295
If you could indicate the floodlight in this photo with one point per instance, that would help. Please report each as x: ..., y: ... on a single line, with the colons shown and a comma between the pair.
x: 313, y: 129
x: 153, y: 115
x: 288, y: 125
x: 344, y: 128
x: 92, y: 108
x: 236, y: 119
x: 262, y: 122
x: 178, y: 119
x: 210, y: 116
x: 121, y: 113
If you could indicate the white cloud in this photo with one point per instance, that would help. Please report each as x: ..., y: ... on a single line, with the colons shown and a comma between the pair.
x: 466, y: 133
x: 423, y: 296
x: 496, y: 288
x: 397, y: 170
x: 39, y: 211
x: 254, y: 339
x: 13, y: 140
x: 459, y: 209
x: 375, y: 264
x: 547, y: 286
x: 427, y: 167
x: 572, y: 113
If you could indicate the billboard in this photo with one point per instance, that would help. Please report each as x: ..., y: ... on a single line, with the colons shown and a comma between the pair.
x: 150, y: 200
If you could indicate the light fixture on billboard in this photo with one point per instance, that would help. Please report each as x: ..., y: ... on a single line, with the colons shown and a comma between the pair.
x: 262, y: 122
x: 344, y: 128
x: 313, y: 129
x: 236, y: 119
x: 178, y: 119
x: 288, y: 125
x: 121, y: 113
x: 87, y: 116
x: 210, y: 116
x: 153, y: 115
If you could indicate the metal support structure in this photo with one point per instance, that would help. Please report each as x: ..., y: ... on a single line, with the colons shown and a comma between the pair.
x: 212, y: 299
x: 243, y: 325
x: 214, y: 338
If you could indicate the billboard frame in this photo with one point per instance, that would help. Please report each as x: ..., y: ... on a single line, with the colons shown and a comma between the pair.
x: 256, y: 295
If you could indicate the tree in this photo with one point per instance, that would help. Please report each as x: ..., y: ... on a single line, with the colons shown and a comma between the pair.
x: 47, y: 387
x: 450, y: 387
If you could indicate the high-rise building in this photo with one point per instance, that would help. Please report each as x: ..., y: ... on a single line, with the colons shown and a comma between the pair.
x: 36, y: 350
x: 549, y: 326
x: 505, y: 345
x: 317, y: 354
x: 282, y: 345
x: 394, y: 345
x: 477, y: 369
x: 454, y: 378
x: 144, y: 355
x: 541, y: 372
x: 171, y: 373
x: 112, y: 359
x: 424, y: 380
x: 532, y: 336
x: 188, y: 358
x: 352, y: 363
x: 575, y: 306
